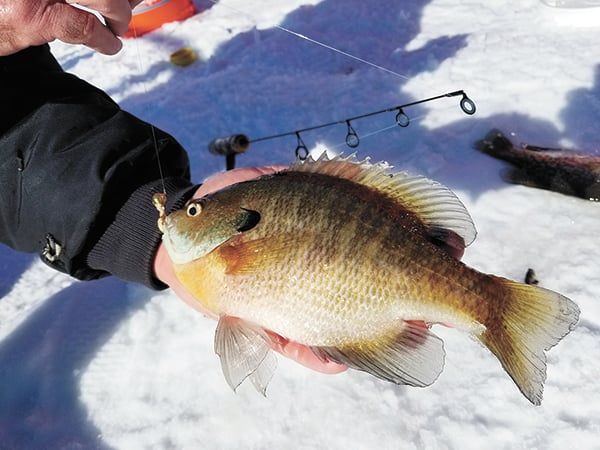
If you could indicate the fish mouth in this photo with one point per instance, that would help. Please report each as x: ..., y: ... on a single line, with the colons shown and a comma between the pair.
x: 179, y: 246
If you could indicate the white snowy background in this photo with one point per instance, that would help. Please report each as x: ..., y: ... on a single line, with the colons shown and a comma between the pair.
x: 108, y: 364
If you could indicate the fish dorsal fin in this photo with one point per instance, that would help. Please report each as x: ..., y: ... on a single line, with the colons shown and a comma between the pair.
x: 435, y: 205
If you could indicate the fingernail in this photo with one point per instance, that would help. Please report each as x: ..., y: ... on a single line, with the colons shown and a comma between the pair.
x: 113, y: 48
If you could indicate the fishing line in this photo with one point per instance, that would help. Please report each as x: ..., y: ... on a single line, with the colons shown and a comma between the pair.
x: 341, y: 52
x: 146, y: 91
x: 362, y: 136
x: 140, y: 68
x: 314, y: 41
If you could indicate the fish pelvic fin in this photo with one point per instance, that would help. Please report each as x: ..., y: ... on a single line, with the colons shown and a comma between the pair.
x: 440, y: 210
x: 414, y: 356
x: 245, y: 352
x: 532, y: 321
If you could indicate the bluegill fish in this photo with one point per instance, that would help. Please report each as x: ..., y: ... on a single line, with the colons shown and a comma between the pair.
x: 563, y: 171
x: 356, y: 263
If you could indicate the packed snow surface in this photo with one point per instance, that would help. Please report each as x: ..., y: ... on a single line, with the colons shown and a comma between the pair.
x: 108, y: 364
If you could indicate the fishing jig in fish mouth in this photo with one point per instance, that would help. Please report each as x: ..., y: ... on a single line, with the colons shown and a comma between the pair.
x: 159, y: 200
x: 355, y: 263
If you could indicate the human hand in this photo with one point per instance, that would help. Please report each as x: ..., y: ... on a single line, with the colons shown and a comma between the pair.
x: 163, y: 268
x: 25, y: 23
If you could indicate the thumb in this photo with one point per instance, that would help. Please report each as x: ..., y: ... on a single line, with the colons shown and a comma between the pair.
x: 76, y: 26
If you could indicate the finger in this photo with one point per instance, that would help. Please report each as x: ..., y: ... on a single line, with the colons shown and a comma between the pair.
x: 116, y: 13
x: 224, y: 179
x: 307, y: 358
x: 75, y: 26
x: 304, y: 355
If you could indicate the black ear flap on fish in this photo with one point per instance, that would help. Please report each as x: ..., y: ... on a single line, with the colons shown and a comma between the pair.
x: 250, y: 220
x: 413, y: 356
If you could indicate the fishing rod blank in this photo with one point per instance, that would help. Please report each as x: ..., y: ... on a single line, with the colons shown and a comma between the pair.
x: 229, y: 146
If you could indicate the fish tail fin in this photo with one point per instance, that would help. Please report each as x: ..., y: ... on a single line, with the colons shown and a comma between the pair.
x: 532, y: 320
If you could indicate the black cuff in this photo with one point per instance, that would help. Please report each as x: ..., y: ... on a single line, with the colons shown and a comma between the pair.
x: 128, y: 246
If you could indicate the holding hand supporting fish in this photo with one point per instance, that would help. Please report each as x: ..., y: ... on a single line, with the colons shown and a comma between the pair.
x: 356, y: 263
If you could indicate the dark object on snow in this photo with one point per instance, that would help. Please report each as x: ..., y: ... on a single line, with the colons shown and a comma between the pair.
x: 530, y: 277
x: 563, y: 171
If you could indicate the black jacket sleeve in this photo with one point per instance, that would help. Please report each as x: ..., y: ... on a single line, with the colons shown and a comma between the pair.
x: 77, y: 173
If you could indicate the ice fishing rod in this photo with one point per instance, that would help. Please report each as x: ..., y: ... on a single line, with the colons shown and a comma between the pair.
x: 230, y: 146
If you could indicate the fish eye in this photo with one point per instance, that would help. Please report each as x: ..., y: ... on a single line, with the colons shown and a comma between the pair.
x: 194, y: 209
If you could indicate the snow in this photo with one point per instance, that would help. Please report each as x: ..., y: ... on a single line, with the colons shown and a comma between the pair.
x: 108, y: 364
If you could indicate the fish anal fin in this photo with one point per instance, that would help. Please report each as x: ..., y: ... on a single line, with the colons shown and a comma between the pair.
x: 245, y: 352
x: 412, y: 356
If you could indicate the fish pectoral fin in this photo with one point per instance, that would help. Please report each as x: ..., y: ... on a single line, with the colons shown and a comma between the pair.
x: 414, y: 356
x: 247, y: 256
x: 245, y: 352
